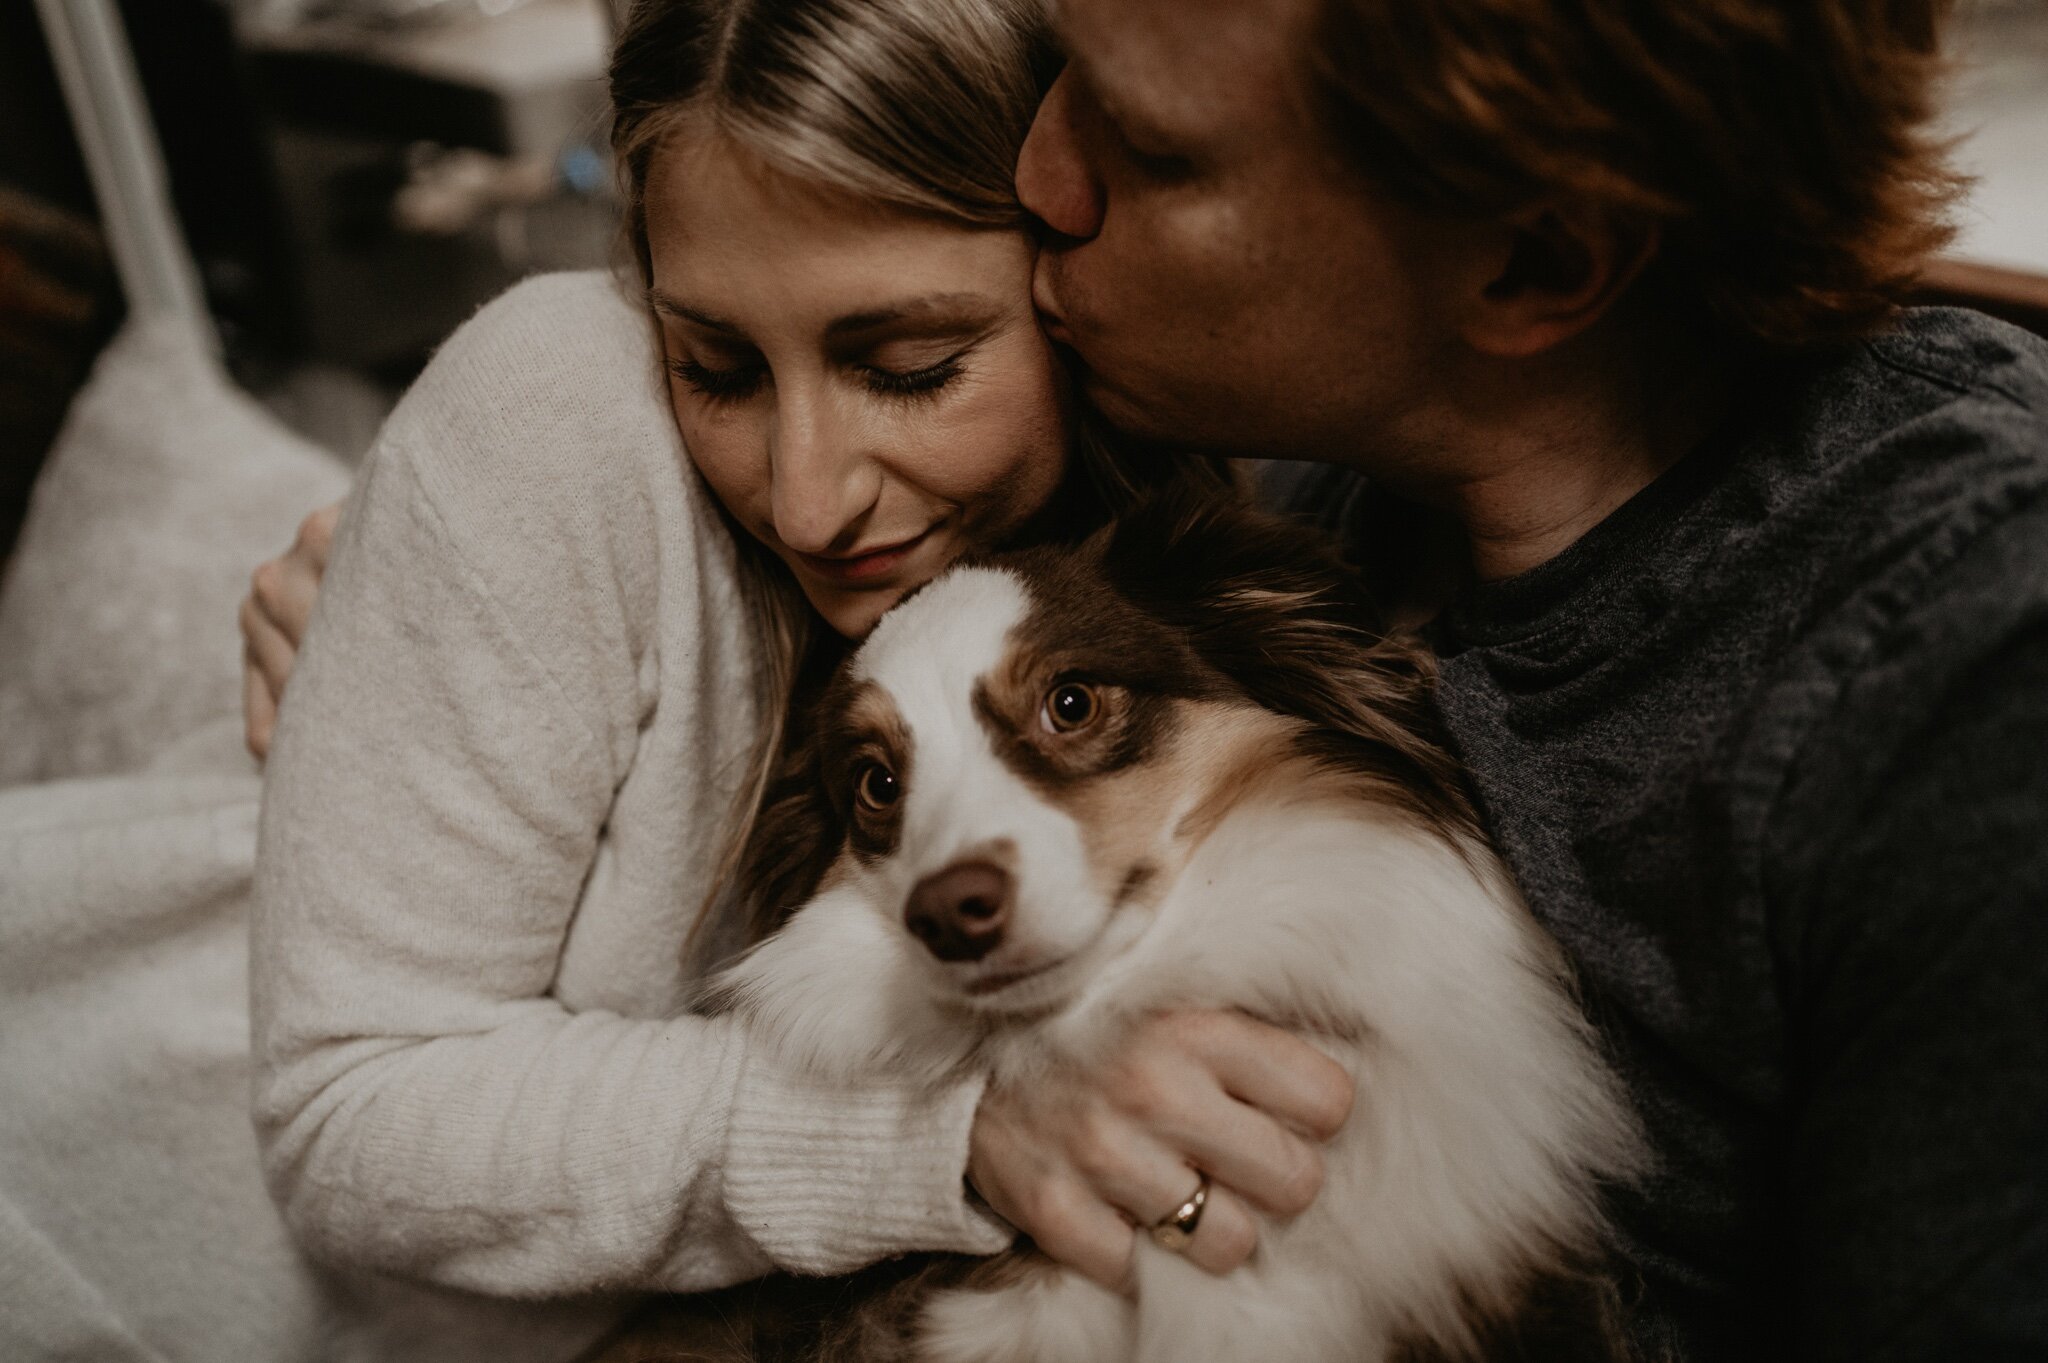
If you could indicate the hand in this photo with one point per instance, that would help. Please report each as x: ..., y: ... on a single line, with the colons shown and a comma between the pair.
x: 274, y: 616
x: 1077, y: 1160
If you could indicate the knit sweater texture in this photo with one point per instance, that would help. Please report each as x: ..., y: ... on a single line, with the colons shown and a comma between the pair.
x: 520, y: 723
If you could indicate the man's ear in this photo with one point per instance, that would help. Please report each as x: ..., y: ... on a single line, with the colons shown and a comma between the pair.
x: 1556, y: 268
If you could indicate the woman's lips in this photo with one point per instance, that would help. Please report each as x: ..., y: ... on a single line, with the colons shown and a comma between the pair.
x: 866, y: 566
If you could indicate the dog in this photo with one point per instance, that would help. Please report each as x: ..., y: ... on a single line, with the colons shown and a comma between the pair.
x: 1178, y: 766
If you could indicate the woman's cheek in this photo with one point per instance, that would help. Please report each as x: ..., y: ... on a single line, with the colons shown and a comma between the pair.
x: 725, y: 453
x: 1019, y: 418
x: 1023, y: 440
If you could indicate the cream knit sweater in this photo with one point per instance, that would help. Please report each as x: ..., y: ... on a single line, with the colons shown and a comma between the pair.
x: 518, y: 724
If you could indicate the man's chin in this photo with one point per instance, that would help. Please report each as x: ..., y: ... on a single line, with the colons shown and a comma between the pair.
x: 1174, y: 416
x: 1128, y: 413
x: 1151, y: 421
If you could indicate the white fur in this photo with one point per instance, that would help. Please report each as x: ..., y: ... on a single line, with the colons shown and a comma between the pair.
x: 1484, y: 1118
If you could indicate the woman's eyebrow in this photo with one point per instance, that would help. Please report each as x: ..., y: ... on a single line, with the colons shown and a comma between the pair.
x: 966, y: 308
x: 669, y: 307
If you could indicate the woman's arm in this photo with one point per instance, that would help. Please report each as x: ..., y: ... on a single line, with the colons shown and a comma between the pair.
x: 468, y: 701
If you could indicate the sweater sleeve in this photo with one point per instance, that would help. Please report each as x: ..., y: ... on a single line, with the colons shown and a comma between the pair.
x: 1917, y: 1178
x: 463, y: 711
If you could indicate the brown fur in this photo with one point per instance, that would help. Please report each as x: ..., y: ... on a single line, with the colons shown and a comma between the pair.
x: 865, y: 1317
x: 1261, y: 611
x: 787, y: 860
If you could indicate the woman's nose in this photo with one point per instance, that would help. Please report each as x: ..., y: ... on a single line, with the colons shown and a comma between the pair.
x: 1053, y: 179
x: 821, y: 482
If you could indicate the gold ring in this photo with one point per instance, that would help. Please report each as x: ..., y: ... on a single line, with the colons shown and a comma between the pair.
x: 1177, y: 1227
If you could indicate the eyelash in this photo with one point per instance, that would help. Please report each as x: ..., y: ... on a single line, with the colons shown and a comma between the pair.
x: 1157, y: 166
x: 1165, y: 168
x: 730, y: 385
x: 720, y: 385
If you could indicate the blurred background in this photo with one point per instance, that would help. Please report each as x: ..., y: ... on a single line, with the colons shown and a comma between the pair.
x: 354, y: 176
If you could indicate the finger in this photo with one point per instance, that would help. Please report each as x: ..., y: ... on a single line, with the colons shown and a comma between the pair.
x: 266, y: 646
x: 1276, y: 1170
x: 1126, y: 1166
x: 1274, y: 1070
x: 286, y: 588
x: 1225, y: 1236
x: 316, y: 535
x: 259, y: 710
x: 1071, y: 1225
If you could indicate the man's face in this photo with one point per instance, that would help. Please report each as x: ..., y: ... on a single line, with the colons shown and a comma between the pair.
x: 1227, y: 284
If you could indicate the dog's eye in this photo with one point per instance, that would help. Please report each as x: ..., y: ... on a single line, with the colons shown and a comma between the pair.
x: 1070, y: 706
x: 875, y: 786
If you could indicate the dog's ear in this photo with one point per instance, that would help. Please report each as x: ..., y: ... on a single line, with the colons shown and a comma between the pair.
x: 795, y: 836
x: 1267, y: 603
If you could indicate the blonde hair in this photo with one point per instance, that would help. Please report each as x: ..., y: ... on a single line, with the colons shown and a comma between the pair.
x: 921, y: 105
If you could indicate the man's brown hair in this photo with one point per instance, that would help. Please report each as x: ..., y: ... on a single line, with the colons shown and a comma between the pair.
x: 1780, y: 146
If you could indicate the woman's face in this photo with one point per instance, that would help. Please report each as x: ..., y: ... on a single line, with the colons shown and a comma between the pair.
x: 867, y: 391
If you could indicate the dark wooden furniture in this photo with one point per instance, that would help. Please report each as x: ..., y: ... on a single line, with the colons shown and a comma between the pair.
x: 2018, y: 296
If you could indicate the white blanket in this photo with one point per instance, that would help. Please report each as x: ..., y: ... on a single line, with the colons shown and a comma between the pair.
x: 134, y: 1225
x: 133, y: 1222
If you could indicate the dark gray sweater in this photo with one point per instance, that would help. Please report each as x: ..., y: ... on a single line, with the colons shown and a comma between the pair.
x: 1768, y: 753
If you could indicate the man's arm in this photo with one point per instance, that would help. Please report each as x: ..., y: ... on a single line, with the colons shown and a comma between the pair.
x: 1918, y: 1156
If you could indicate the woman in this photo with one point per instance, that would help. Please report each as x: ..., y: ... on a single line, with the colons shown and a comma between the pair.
x: 525, y: 740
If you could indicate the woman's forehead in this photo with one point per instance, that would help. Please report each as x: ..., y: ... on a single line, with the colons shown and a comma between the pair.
x: 733, y: 238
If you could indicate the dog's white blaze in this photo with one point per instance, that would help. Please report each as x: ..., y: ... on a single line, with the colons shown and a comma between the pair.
x: 929, y: 655
x: 929, y: 652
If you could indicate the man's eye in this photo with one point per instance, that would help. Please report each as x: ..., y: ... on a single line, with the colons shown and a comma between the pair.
x: 719, y: 384
x: 1160, y: 167
x: 1144, y: 155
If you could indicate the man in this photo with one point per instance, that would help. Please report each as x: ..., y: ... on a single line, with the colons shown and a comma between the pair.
x: 1747, y: 639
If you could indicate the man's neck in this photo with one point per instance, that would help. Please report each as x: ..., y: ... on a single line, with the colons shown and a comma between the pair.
x: 1527, y: 458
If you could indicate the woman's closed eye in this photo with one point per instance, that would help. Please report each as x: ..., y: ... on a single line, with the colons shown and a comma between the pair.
x: 719, y: 384
x: 918, y: 382
x: 733, y: 382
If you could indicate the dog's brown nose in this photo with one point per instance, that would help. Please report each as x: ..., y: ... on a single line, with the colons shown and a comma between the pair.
x: 958, y: 913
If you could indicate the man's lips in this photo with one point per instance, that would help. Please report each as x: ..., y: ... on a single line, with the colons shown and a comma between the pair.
x: 1049, y: 319
x: 868, y: 564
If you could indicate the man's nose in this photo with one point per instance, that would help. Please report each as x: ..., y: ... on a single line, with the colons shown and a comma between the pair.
x: 959, y: 913
x: 1053, y: 179
x: 820, y: 485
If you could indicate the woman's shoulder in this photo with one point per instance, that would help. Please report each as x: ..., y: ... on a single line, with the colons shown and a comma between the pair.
x: 562, y: 360
x: 540, y: 441
x: 561, y: 323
